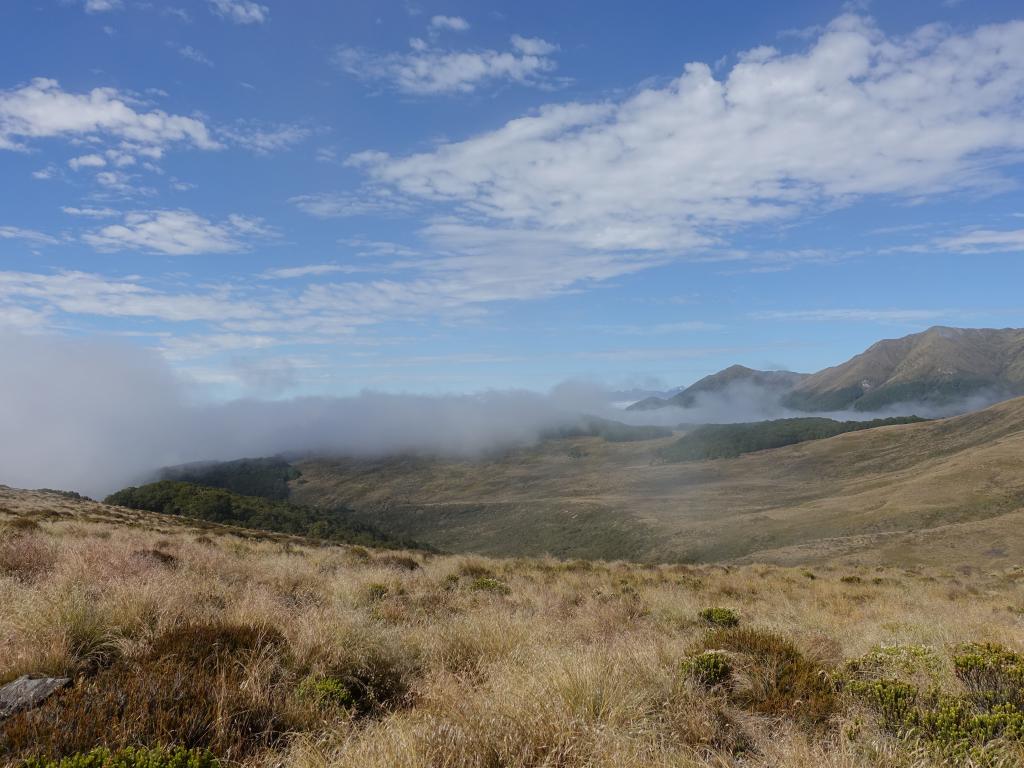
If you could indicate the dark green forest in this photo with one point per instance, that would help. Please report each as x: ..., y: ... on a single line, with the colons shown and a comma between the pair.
x: 726, y: 441
x: 217, y: 505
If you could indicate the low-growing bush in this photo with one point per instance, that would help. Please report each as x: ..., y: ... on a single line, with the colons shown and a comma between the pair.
x: 131, y: 757
x: 326, y: 692
x: 719, y: 617
x: 992, y: 673
x: 708, y: 669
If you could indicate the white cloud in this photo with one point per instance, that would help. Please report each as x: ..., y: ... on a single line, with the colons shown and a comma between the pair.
x: 454, y: 23
x: 263, y: 139
x: 92, y: 213
x: 101, y: 6
x: 311, y: 270
x: 86, y: 161
x: 985, y: 241
x: 83, y: 293
x: 177, y: 233
x: 329, y: 205
x: 28, y: 235
x: 533, y: 46
x: 43, y: 174
x: 42, y: 109
x: 194, y: 54
x: 425, y: 70
x: 859, y: 315
x: 241, y: 11
x: 675, y: 168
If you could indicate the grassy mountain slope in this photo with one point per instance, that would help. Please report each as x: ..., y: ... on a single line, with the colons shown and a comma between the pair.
x: 940, y: 365
x: 302, y: 656
x: 587, y: 497
x: 733, y: 376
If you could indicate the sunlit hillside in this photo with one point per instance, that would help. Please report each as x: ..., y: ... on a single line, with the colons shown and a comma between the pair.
x: 239, y: 648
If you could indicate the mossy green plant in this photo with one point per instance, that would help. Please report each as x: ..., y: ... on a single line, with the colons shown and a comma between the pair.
x: 132, y: 757
x: 488, y: 584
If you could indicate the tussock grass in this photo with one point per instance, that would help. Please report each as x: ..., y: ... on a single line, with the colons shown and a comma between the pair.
x: 268, y: 651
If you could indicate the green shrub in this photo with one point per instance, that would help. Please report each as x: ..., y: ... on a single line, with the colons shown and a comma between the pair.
x: 487, y: 584
x: 992, y: 673
x: 708, y: 669
x: 132, y: 757
x: 851, y: 579
x: 326, y: 692
x: 720, y: 617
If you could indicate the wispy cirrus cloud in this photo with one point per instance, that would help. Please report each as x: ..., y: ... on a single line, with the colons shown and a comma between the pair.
x: 428, y: 70
x: 27, y: 235
x: 984, y: 241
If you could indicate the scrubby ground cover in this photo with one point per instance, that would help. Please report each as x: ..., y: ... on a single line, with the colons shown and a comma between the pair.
x: 190, y: 647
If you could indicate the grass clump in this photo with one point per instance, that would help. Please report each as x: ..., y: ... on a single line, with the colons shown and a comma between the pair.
x: 132, y: 757
x: 777, y: 678
x: 708, y: 669
x: 195, y: 688
x: 719, y: 617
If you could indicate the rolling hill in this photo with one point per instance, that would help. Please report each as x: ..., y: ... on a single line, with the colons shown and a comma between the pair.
x: 861, y: 496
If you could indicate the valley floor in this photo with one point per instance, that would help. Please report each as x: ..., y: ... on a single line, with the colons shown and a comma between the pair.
x: 268, y: 650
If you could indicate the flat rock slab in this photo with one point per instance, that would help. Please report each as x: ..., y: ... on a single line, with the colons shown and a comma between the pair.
x: 27, y: 692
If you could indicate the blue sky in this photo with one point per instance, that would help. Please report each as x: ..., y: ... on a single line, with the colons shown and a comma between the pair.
x: 320, y: 197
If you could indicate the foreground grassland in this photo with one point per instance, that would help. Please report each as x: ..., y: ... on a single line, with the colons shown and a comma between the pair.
x: 269, y: 651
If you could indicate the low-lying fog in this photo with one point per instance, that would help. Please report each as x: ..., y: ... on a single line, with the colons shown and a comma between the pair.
x: 93, y: 417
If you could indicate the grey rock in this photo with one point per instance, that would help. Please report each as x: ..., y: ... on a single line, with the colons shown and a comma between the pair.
x: 27, y: 692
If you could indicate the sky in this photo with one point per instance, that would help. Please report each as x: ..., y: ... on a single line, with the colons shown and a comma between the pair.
x: 320, y: 198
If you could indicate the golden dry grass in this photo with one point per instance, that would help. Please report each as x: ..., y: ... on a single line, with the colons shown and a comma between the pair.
x: 575, y: 665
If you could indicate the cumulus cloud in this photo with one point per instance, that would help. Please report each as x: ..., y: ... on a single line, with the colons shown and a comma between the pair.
x: 86, y: 161
x: 454, y: 23
x: 176, y: 233
x: 427, y: 70
x: 42, y: 109
x: 240, y: 11
x: 670, y: 169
